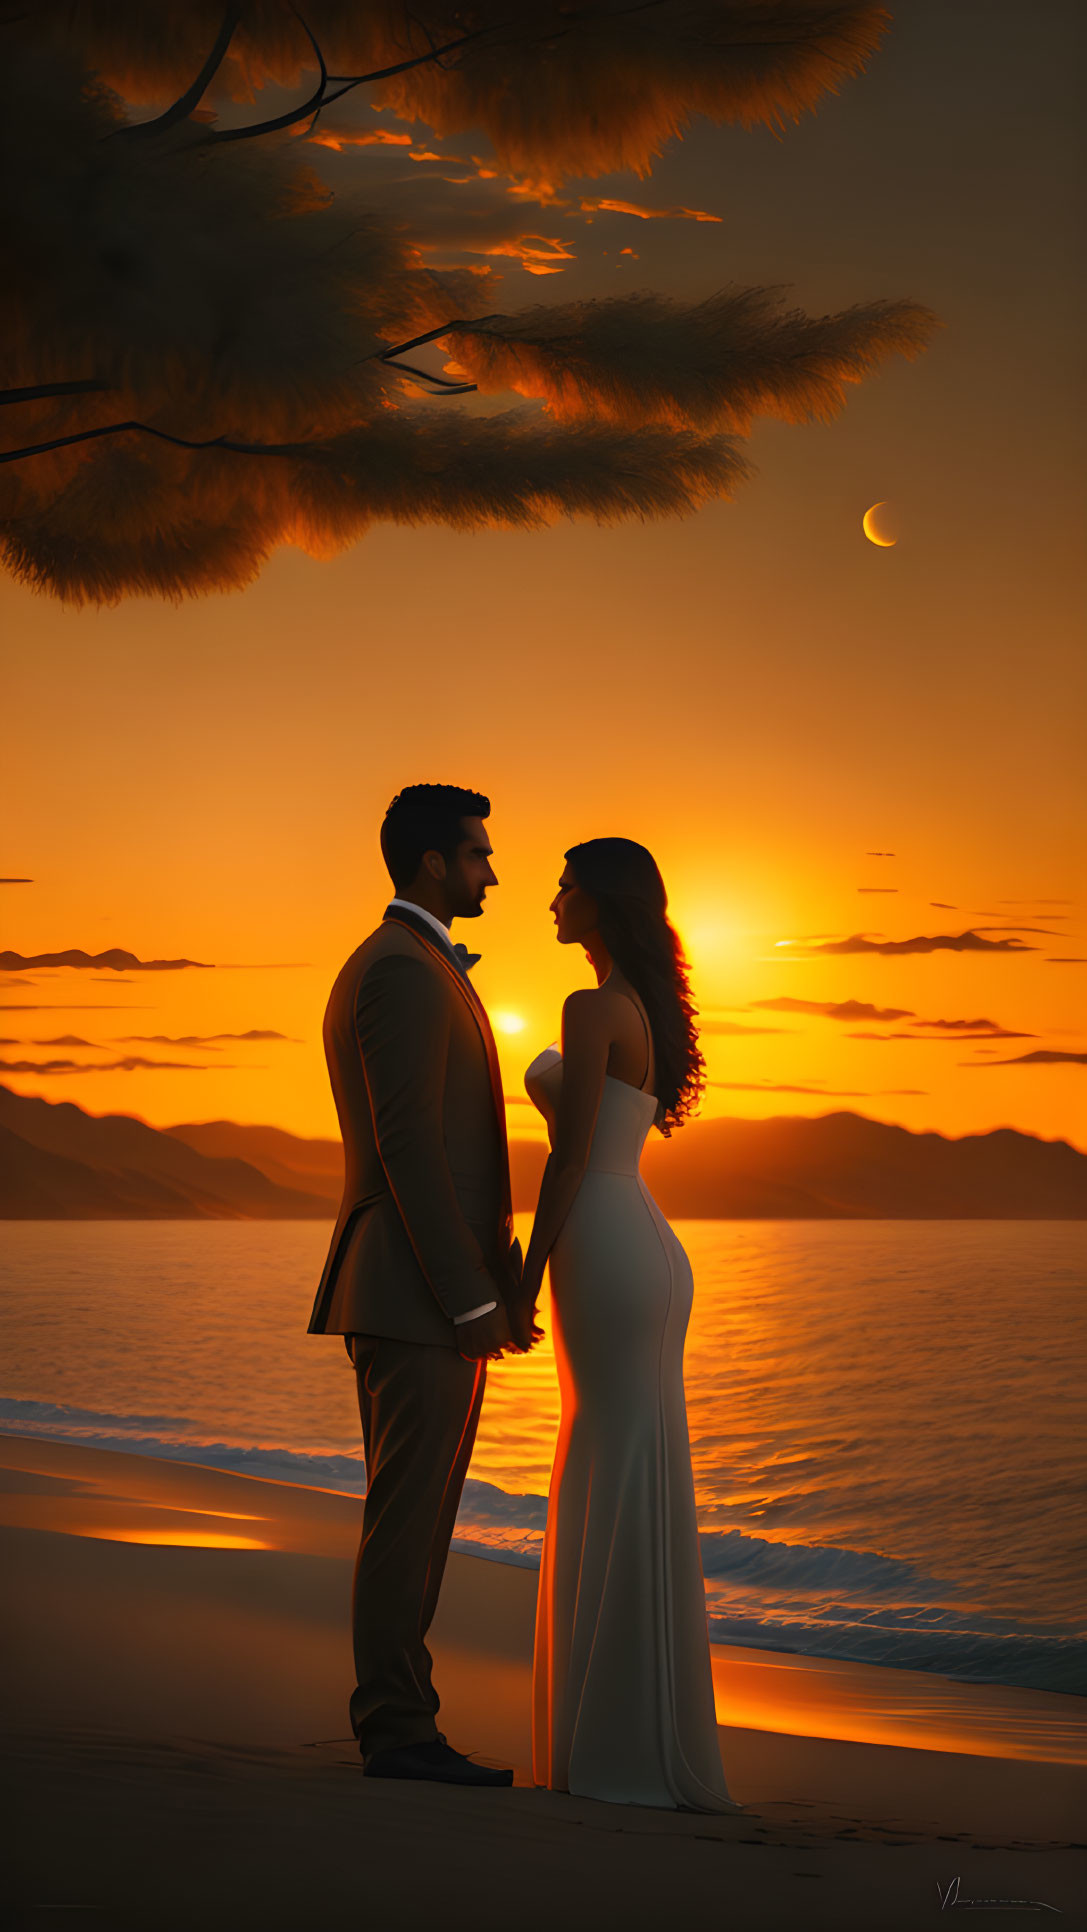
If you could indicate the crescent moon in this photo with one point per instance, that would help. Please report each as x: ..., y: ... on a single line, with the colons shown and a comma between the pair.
x: 870, y: 526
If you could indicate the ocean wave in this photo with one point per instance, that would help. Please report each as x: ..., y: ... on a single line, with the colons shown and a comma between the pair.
x: 815, y: 1566
x: 816, y: 1599
x: 487, y: 1513
x: 968, y: 1654
x: 163, y: 1436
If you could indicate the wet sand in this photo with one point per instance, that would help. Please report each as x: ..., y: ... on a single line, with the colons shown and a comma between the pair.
x: 176, y: 1671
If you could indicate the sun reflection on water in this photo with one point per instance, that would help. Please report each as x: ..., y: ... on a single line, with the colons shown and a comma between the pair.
x: 200, y: 1539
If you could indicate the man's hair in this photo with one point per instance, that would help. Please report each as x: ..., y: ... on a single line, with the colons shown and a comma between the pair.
x: 426, y: 818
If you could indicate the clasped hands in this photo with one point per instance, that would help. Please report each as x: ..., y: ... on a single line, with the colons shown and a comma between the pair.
x: 511, y: 1328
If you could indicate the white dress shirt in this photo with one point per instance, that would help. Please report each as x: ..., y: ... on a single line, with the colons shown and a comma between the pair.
x: 409, y: 905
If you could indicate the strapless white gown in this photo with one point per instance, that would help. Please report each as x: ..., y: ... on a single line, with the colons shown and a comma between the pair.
x: 622, y: 1691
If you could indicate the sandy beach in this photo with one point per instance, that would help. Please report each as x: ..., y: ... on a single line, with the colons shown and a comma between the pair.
x: 177, y: 1667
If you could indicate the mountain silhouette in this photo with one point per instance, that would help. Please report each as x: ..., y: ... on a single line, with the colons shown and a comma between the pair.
x: 116, y: 960
x: 58, y: 1162
x: 843, y: 1165
x: 316, y: 1166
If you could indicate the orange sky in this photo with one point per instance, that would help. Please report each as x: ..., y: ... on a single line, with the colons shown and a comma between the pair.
x: 757, y: 693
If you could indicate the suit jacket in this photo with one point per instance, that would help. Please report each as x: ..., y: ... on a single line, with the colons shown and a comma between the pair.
x: 425, y: 1226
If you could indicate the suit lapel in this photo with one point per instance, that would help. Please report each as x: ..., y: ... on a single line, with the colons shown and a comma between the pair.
x: 448, y: 964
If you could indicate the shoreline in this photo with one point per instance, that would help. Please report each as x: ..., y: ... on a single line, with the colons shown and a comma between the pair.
x: 178, y: 1664
x: 118, y: 1499
x: 280, y: 1469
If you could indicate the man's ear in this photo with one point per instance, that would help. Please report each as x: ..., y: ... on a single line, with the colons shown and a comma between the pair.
x: 435, y: 864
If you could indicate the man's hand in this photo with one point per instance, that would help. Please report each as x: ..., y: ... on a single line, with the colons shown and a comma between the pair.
x: 485, y: 1338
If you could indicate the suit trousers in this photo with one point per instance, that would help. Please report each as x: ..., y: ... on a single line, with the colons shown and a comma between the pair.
x: 419, y: 1407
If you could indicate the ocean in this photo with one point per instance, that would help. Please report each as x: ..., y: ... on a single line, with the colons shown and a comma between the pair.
x: 888, y: 1418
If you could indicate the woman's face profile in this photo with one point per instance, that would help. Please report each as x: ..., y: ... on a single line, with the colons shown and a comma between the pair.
x: 575, y: 912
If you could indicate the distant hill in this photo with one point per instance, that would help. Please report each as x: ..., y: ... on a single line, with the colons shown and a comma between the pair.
x: 58, y: 1162
x: 843, y: 1165
x: 316, y: 1166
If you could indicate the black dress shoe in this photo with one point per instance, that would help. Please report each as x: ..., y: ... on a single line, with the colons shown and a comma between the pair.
x: 434, y: 1760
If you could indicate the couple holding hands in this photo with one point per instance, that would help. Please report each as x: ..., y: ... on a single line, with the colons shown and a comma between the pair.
x: 426, y: 1283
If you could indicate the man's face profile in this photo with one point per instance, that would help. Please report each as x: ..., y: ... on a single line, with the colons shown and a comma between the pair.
x: 469, y: 872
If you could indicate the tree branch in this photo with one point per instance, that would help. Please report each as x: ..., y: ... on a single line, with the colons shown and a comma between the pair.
x: 444, y: 328
x: 81, y: 387
x: 163, y: 436
x: 446, y: 387
x: 321, y: 98
x: 183, y: 106
x: 443, y: 386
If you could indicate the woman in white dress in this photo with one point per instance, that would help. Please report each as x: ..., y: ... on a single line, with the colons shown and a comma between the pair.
x: 623, y: 1704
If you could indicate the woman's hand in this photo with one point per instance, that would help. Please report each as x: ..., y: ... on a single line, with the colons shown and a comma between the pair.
x: 521, y: 1315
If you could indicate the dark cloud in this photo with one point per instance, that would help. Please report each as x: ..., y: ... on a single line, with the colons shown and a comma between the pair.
x: 117, y: 960
x: 1066, y: 959
x: 953, y: 1027
x: 919, y: 1029
x: 16, y: 881
x: 732, y: 1027
x: 835, y: 1009
x: 818, y: 1093
x: 10, y: 981
x: 62, y: 1039
x: 879, y: 855
x: 131, y: 1065
x: 776, y: 1086
x: 963, y: 942
x: 1036, y: 912
x: 1041, y: 1057
x: 236, y: 317
x: 958, y: 1030
x: 940, y: 905
x: 197, y: 1039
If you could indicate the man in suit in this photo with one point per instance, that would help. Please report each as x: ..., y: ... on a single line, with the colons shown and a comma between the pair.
x: 422, y: 1257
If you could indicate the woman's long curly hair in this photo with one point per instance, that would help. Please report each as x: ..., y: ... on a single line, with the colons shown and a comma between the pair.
x: 632, y: 905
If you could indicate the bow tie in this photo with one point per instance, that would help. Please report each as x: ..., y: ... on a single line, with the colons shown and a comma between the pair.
x: 467, y: 959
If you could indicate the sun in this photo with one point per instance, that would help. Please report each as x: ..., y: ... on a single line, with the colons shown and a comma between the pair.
x: 708, y: 932
x: 508, y: 1023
